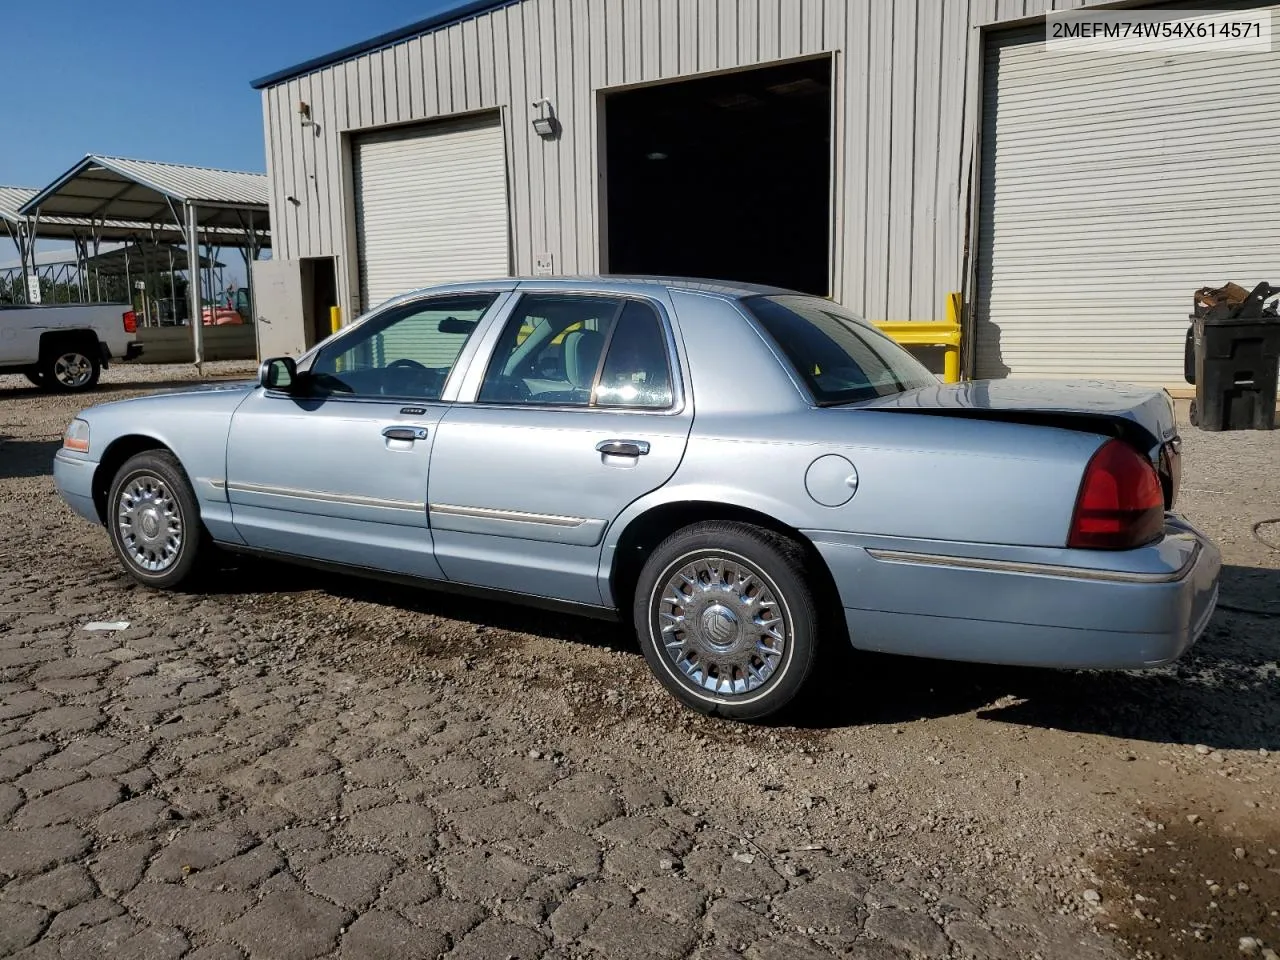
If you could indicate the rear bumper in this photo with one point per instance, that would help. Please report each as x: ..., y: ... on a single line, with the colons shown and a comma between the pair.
x: 1027, y: 606
x: 132, y: 351
x: 73, y: 478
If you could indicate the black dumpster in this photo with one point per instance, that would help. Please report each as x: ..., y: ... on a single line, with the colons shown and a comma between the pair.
x: 1235, y: 343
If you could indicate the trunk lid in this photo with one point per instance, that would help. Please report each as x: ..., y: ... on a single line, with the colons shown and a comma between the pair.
x: 1045, y: 401
x: 1141, y: 416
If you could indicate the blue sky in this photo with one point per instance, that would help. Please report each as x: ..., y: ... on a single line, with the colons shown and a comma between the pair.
x: 160, y: 79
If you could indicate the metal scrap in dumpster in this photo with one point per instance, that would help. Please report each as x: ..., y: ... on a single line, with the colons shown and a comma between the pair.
x: 1233, y: 357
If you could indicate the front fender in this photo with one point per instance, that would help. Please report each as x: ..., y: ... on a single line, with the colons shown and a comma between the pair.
x: 194, y: 427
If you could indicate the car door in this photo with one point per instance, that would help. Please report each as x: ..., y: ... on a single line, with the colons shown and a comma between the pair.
x: 580, y: 411
x: 336, y: 467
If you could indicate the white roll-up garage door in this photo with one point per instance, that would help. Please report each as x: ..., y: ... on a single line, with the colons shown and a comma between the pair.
x: 431, y: 206
x: 1113, y: 185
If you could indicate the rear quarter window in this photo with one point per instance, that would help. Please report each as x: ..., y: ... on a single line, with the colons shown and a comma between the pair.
x: 840, y: 357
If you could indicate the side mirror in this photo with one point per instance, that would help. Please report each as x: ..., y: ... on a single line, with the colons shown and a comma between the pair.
x: 278, y: 373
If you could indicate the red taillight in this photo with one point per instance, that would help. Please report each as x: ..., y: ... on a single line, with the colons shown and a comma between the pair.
x: 1121, y: 504
x: 130, y: 322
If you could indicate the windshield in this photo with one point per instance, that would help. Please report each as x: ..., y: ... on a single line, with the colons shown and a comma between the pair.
x: 841, y: 357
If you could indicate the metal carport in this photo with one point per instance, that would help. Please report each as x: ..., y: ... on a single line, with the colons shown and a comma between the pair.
x: 127, y: 260
x: 220, y: 208
x: 84, y: 233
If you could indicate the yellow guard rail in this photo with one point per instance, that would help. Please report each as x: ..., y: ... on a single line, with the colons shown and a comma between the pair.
x: 932, y: 333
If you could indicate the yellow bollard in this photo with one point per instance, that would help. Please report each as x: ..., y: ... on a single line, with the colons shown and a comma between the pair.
x: 951, y: 365
x: 951, y: 357
x: 335, y: 323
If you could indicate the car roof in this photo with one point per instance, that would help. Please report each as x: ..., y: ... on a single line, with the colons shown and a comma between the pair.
x: 607, y: 282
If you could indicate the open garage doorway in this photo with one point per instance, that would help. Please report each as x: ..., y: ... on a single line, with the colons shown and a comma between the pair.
x: 725, y: 177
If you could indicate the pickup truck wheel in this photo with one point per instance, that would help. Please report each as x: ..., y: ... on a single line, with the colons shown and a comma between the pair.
x: 71, y: 369
x: 727, y: 620
x: 154, y: 521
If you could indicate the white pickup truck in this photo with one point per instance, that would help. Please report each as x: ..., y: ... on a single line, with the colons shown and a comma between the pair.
x: 65, y: 346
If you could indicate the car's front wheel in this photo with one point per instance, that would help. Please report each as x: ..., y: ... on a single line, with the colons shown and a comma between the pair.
x: 727, y: 620
x: 153, y: 520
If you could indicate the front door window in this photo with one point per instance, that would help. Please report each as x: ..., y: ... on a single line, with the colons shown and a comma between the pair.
x: 406, y: 353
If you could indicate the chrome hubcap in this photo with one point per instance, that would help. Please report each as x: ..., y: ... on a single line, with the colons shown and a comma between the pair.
x: 150, y: 523
x: 72, y: 369
x: 721, y: 625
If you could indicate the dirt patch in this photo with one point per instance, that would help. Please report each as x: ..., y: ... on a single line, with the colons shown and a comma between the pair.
x: 1193, y: 887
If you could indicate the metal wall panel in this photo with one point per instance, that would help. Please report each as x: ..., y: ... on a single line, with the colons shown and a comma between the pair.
x: 1113, y: 185
x: 900, y: 193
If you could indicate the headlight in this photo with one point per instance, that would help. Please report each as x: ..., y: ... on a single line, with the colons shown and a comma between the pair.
x: 77, y: 436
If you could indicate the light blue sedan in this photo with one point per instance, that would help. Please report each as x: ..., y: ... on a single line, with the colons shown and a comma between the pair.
x: 747, y: 474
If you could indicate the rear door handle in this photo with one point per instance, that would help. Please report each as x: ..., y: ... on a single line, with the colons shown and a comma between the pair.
x: 623, y: 448
x: 405, y: 433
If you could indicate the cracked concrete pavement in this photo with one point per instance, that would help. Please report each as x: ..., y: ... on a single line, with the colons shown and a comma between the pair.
x: 287, y: 765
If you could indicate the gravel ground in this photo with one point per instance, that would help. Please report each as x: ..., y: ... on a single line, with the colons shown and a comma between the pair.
x: 290, y: 765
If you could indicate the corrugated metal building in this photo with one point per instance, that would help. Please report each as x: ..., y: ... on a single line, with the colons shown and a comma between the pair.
x: 877, y: 143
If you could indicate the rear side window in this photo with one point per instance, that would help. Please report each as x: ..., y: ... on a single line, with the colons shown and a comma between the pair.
x: 550, y: 351
x: 637, y: 368
x: 839, y: 356
x: 580, y: 351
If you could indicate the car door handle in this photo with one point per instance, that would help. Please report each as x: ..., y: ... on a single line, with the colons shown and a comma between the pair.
x: 623, y: 448
x: 405, y: 433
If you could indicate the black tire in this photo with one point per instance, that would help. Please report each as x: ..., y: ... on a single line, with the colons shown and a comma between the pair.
x: 34, y: 375
x: 160, y: 477
x: 70, y: 366
x: 1193, y: 414
x: 782, y: 582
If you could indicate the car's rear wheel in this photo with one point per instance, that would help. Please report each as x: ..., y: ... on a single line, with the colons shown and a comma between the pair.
x: 153, y: 520
x: 727, y: 620
x: 71, y: 368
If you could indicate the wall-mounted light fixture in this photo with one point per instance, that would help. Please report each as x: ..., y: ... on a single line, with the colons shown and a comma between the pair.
x: 305, y: 119
x: 545, y: 123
